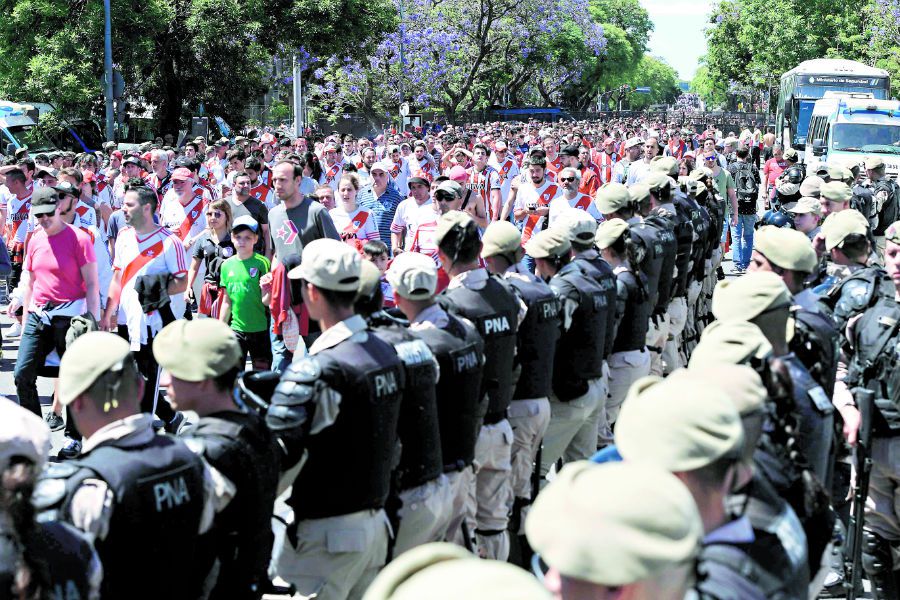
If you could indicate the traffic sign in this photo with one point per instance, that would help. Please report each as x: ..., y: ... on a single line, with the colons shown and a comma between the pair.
x: 642, y: 90
x: 404, y: 109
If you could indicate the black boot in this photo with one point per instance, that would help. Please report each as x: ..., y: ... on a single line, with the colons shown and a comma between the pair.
x: 879, y: 566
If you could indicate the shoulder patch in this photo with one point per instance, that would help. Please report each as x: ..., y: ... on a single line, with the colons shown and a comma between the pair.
x: 414, y: 352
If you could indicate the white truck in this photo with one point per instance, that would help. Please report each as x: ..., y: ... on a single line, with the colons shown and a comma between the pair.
x: 19, y: 129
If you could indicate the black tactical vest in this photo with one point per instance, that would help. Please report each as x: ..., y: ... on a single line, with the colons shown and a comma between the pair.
x: 63, y: 550
x: 494, y: 310
x: 890, y: 209
x: 159, y: 498
x: 684, y: 237
x: 459, y: 351
x: 240, y: 446
x: 727, y: 570
x: 348, y: 466
x: 593, y: 265
x: 538, y: 333
x: 816, y: 417
x: 665, y: 229
x: 863, y: 201
x: 701, y: 225
x: 579, y: 353
x: 651, y: 264
x: 816, y: 343
x: 420, y: 438
x: 854, y: 294
x: 876, y: 363
x: 636, y: 308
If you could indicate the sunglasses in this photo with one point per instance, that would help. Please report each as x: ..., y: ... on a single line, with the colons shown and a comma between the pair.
x: 445, y: 198
x: 43, y: 216
x: 566, y: 179
x: 709, y: 159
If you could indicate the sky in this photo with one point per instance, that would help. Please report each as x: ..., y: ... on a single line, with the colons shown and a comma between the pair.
x: 678, y: 34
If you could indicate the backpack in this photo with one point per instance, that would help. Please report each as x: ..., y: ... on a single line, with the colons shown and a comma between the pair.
x: 747, y: 187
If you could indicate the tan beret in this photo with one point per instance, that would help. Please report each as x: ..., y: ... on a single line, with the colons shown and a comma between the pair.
x: 86, y: 359
x: 743, y: 386
x: 578, y: 225
x: 329, y: 264
x: 449, y: 220
x: 441, y: 571
x: 874, y: 162
x: 614, y: 524
x: 501, y: 237
x: 197, y: 350
x: 744, y: 298
x: 612, y: 197
x: 609, y: 232
x: 656, y: 180
x: 679, y: 424
x: 665, y: 164
x: 811, y: 186
x: 550, y: 243
x: 733, y: 342
x: 785, y: 248
x: 806, y: 205
x: 836, y: 191
x: 838, y: 226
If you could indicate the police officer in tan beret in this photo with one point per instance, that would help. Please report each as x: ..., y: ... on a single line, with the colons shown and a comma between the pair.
x: 622, y: 529
x: 201, y: 360
x: 536, y: 340
x: 130, y: 483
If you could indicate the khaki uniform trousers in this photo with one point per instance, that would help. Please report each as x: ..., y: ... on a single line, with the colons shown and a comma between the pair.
x: 336, y: 557
x: 424, y: 515
x: 656, y: 342
x: 462, y: 485
x: 690, y: 335
x: 574, y: 425
x: 529, y: 420
x: 487, y: 507
x: 624, y: 369
x: 883, y: 501
x: 676, y: 316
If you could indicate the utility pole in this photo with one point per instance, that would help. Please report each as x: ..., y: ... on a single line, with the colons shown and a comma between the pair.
x: 402, y: 67
x: 108, y: 70
x: 298, y: 98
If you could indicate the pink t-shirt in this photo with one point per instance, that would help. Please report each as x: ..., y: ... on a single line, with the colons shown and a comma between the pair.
x: 55, y: 263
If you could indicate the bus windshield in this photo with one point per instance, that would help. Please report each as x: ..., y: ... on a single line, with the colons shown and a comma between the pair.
x: 28, y: 135
x: 866, y: 137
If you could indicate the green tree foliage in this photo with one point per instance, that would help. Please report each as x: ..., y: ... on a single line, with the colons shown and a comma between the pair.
x: 712, y: 92
x: 173, y: 54
x: 752, y: 42
x: 655, y: 73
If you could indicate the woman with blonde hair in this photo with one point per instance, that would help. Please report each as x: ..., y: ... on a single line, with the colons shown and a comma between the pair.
x: 211, y: 249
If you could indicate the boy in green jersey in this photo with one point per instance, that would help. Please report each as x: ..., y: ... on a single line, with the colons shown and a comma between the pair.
x: 244, y: 303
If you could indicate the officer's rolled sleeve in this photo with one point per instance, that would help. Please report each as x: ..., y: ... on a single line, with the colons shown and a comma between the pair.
x: 91, y: 508
x: 218, y: 491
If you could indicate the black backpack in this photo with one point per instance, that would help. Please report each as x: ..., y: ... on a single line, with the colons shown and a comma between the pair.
x: 747, y: 187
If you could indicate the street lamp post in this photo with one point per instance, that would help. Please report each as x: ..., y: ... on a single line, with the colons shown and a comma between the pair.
x: 108, y: 69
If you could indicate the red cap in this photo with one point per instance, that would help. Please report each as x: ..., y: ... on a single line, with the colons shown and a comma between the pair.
x: 117, y: 154
x: 182, y: 174
x: 88, y: 177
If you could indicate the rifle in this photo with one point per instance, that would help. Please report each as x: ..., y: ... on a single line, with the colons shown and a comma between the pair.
x: 865, y: 402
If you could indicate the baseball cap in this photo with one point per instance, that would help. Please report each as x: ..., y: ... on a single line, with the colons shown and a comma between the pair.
x: 500, y: 145
x: 838, y: 226
x: 791, y: 155
x: 549, y: 243
x: 413, y: 275
x: 43, y: 201
x: 615, y: 524
x: 41, y: 170
x: 245, y: 222
x: 108, y: 145
x: 570, y: 150
x: 502, y: 237
x: 786, y: 188
x: 746, y: 297
x: 182, y: 174
x: 632, y: 142
x: 699, y: 429
x: 451, y: 187
x: 418, y: 176
x: 731, y: 342
x: 836, y: 191
x: 22, y: 433
x: 67, y: 188
x: 384, y: 166
x: 329, y: 264
x: 612, y: 197
x: 458, y: 174
x: 785, y: 248
x: 443, y: 571
x: 197, y: 350
x: 132, y: 160
x: 609, y: 232
x: 86, y: 359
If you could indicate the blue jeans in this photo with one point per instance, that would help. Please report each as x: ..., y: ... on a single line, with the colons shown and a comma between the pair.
x: 742, y: 240
x: 37, y: 342
x: 281, y: 356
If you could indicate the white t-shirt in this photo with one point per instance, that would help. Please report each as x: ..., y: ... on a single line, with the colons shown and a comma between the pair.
x: 409, y: 215
x: 506, y: 172
x: 173, y: 213
x: 582, y: 201
x: 359, y: 222
x: 542, y: 196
